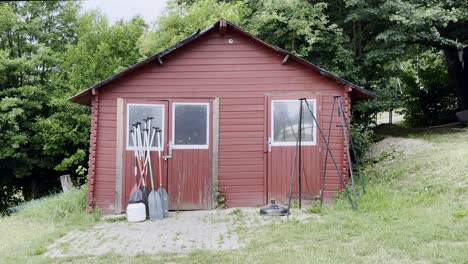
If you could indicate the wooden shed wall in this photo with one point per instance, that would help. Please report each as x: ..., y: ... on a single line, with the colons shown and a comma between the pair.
x: 240, y: 74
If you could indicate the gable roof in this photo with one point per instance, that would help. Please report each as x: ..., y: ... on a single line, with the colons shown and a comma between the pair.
x: 357, y: 92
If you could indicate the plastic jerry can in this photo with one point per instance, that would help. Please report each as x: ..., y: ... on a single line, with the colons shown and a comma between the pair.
x: 136, y: 212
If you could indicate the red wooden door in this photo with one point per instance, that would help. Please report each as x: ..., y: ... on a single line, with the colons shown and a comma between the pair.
x: 135, y: 111
x: 283, y: 117
x: 190, y: 155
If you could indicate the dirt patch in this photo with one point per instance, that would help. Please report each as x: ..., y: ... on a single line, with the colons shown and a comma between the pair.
x: 182, y: 232
x: 391, y: 145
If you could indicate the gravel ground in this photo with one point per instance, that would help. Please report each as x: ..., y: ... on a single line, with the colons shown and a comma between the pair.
x: 181, y: 232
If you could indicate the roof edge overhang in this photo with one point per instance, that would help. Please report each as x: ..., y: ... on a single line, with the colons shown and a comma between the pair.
x: 357, y: 92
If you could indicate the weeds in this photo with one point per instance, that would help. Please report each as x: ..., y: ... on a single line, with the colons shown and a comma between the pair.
x: 236, y: 212
x: 315, y: 208
x: 460, y: 213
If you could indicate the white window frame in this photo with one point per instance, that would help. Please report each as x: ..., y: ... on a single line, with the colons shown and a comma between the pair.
x: 178, y: 146
x: 306, y: 111
x: 155, y: 138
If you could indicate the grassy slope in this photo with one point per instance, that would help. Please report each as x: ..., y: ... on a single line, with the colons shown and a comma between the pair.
x: 25, y: 236
x: 415, y: 210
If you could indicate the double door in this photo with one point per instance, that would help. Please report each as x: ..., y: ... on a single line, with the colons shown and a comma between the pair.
x: 185, y: 146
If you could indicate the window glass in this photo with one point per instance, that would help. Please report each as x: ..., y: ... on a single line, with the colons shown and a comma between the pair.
x: 190, y: 124
x: 286, y: 119
x: 138, y: 112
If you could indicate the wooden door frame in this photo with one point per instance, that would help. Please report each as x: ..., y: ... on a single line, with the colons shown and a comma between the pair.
x: 267, y: 126
x: 121, y: 148
x: 213, y: 136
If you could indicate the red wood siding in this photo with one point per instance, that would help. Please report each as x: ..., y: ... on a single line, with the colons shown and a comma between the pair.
x: 240, y: 74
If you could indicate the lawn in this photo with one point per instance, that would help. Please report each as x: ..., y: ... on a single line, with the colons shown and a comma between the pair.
x: 415, y: 211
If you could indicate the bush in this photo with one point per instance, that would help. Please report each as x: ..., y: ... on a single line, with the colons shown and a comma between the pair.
x: 362, y: 139
x: 9, y: 196
x: 428, y: 97
x: 67, y: 208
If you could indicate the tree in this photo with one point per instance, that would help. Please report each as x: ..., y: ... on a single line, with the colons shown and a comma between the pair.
x: 47, y: 53
x: 402, y: 26
x: 101, y: 50
x: 180, y: 20
x: 33, y: 34
x: 303, y: 28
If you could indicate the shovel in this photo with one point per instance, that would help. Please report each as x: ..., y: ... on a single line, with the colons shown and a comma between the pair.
x: 161, y: 191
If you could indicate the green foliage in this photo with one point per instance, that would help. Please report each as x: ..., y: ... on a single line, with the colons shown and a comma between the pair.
x: 181, y: 20
x: 9, y: 197
x: 48, y: 52
x: 428, y: 97
x: 460, y: 213
x: 362, y: 137
x: 101, y: 50
x: 220, y: 199
x: 304, y: 28
x: 34, y: 34
x: 314, y: 208
x: 236, y: 212
x: 392, y: 32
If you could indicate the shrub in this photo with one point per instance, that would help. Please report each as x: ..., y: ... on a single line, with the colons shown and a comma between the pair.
x: 362, y: 140
x: 429, y: 98
x: 9, y: 196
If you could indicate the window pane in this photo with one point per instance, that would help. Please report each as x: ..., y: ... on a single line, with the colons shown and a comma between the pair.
x: 190, y: 124
x: 137, y: 113
x: 285, y: 121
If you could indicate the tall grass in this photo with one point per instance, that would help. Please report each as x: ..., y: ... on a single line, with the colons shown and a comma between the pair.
x: 25, y: 235
x: 69, y: 208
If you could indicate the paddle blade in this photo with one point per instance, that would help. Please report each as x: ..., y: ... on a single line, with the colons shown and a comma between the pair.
x: 165, y: 200
x: 155, y: 206
x: 144, y: 199
x: 135, y: 196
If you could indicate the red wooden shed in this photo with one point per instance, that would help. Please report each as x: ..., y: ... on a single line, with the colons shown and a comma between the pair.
x: 227, y: 104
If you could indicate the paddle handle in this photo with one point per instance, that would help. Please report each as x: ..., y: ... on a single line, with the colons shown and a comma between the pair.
x: 158, y: 131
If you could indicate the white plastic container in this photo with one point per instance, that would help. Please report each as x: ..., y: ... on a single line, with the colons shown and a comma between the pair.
x: 136, y: 212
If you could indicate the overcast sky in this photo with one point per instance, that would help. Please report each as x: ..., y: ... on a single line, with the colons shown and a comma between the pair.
x: 126, y: 9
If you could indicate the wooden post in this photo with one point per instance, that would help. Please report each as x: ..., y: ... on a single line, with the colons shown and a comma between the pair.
x: 214, y: 168
x: 119, y: 156
x: 390, y: 116
x: 66, y: 182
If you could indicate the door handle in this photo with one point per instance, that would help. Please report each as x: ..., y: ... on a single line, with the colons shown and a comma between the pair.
x: 169, y: 156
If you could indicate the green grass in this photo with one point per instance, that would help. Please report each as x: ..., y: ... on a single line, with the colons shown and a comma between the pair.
x: 414, y: 211
x: 24, y: 236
